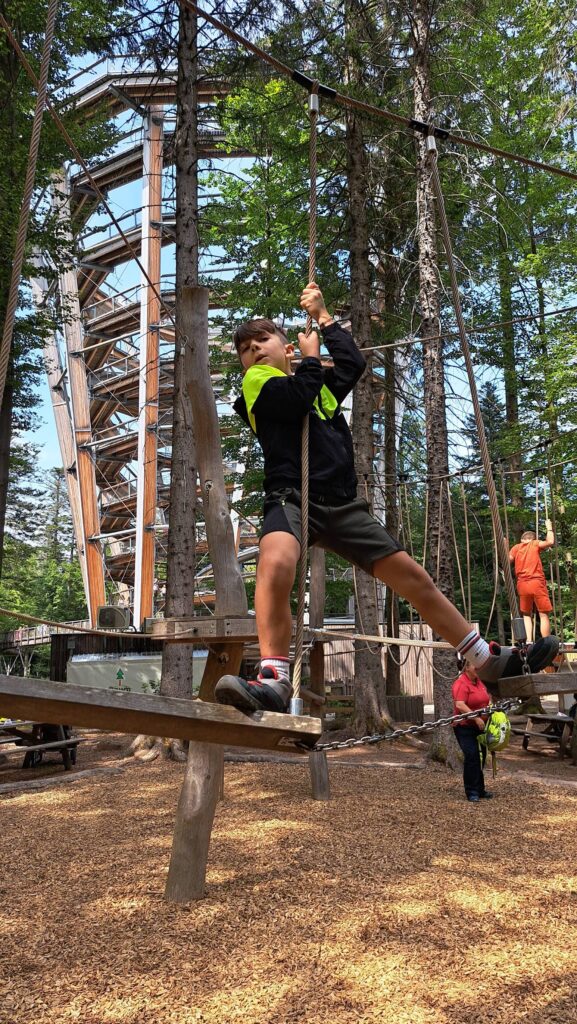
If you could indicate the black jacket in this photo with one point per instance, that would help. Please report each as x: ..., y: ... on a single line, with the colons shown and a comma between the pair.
x: 274, y: 405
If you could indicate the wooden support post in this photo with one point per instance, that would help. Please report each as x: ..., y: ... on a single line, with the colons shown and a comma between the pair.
x: 193, y: 827
x: 81, y: 422
x: 222, y: 658
x: 58, y: 387
x: 149, y: 368
x: 319, y: 769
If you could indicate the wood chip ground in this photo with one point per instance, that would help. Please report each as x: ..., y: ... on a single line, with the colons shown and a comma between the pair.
x: 397, y: 901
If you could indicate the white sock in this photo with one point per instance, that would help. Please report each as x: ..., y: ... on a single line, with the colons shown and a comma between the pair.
x: 282, y: 666
x: 474, y: 648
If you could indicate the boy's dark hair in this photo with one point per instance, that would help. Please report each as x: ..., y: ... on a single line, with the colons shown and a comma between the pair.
x: 256, y: 329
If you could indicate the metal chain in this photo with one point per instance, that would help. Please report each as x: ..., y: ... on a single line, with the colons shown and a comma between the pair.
x: 413, y: 730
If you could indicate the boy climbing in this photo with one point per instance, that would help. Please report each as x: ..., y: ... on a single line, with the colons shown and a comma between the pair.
x: 531, y: 584
x: 274, y: 402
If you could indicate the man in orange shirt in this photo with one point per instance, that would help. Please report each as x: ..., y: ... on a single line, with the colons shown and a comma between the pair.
x: 531, y: 583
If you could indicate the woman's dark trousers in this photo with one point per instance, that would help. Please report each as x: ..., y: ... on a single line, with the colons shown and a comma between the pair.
x: 474, y: 760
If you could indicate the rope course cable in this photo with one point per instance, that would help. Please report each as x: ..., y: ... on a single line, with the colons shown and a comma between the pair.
x: 528, y: 318
x: 12, y: 302
x: 343, y: 100
x: 517, y: 623
x: 82, y: 163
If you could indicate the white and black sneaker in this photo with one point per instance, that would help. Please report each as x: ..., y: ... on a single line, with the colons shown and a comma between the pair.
x: 270, y: 691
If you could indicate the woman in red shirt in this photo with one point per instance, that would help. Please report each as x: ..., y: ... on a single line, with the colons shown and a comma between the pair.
x: 470, y: 694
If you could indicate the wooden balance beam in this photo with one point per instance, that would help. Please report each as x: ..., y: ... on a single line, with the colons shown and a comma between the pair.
x: 41, y: 700
x: 538, y: 684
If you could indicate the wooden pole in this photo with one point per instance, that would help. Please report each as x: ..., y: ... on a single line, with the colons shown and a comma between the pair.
x: 228, y: 582
x: 193, y: 826
x: 149, y: 367
x: 57, y: 385
x: 82, y: 428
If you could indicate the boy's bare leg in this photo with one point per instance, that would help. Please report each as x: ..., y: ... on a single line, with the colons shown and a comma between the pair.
x: 528, y: 620
x: 409, y: 580
x: 545, y: 624
x: 275, y: 576
x: 271, y: 690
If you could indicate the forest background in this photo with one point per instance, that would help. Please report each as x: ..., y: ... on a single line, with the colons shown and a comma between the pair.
x: 504, y: 74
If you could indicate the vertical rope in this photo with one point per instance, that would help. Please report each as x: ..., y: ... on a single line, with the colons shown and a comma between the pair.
x: 426, y: 524
x: 297, y: 672
x: 551, y: 578
x: 504, y: 496
x: 467, y: 548
x: 556, y: 548
x: 8, y: 329
x: 455, y: 545
x: 517, y: 625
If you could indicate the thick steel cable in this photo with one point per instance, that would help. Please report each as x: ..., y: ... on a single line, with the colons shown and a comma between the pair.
x: 303, y: 561
x: 42, y: 85
x: 473, y: 330
x: 516, y: 623
x: 343, y: 100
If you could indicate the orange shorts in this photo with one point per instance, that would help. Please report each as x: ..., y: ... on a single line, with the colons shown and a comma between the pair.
x: 533, y: 592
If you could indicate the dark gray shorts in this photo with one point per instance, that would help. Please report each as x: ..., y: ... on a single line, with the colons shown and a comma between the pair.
x: 344, y: 526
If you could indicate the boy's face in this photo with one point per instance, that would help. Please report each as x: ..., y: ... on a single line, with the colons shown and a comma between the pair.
x: 267, y: 350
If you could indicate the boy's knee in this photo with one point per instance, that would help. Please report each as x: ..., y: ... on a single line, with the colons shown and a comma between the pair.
x: 278, y: 560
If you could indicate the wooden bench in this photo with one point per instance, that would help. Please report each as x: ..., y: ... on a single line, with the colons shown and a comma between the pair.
x: 403, y: 708
x: 32, y: 743
x: 550, y: 731
x: 68, y: 747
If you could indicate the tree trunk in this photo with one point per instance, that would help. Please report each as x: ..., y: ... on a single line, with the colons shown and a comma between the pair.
x: 440, y: 560
x: 370, y: 699
x: 390, y: 488
x: 204, y: 767
x: 177, y: 658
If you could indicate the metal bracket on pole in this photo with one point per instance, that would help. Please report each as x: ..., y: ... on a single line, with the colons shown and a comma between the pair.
x: 518, y: 630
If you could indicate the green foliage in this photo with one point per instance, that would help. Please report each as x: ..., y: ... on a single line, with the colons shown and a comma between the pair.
x: 41, y: 573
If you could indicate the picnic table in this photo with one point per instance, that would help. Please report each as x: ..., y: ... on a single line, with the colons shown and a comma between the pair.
x: 549, y: 728
x: 33, y: 739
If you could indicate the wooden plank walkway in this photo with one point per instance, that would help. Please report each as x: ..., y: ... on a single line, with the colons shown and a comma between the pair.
x: 45, y: 701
